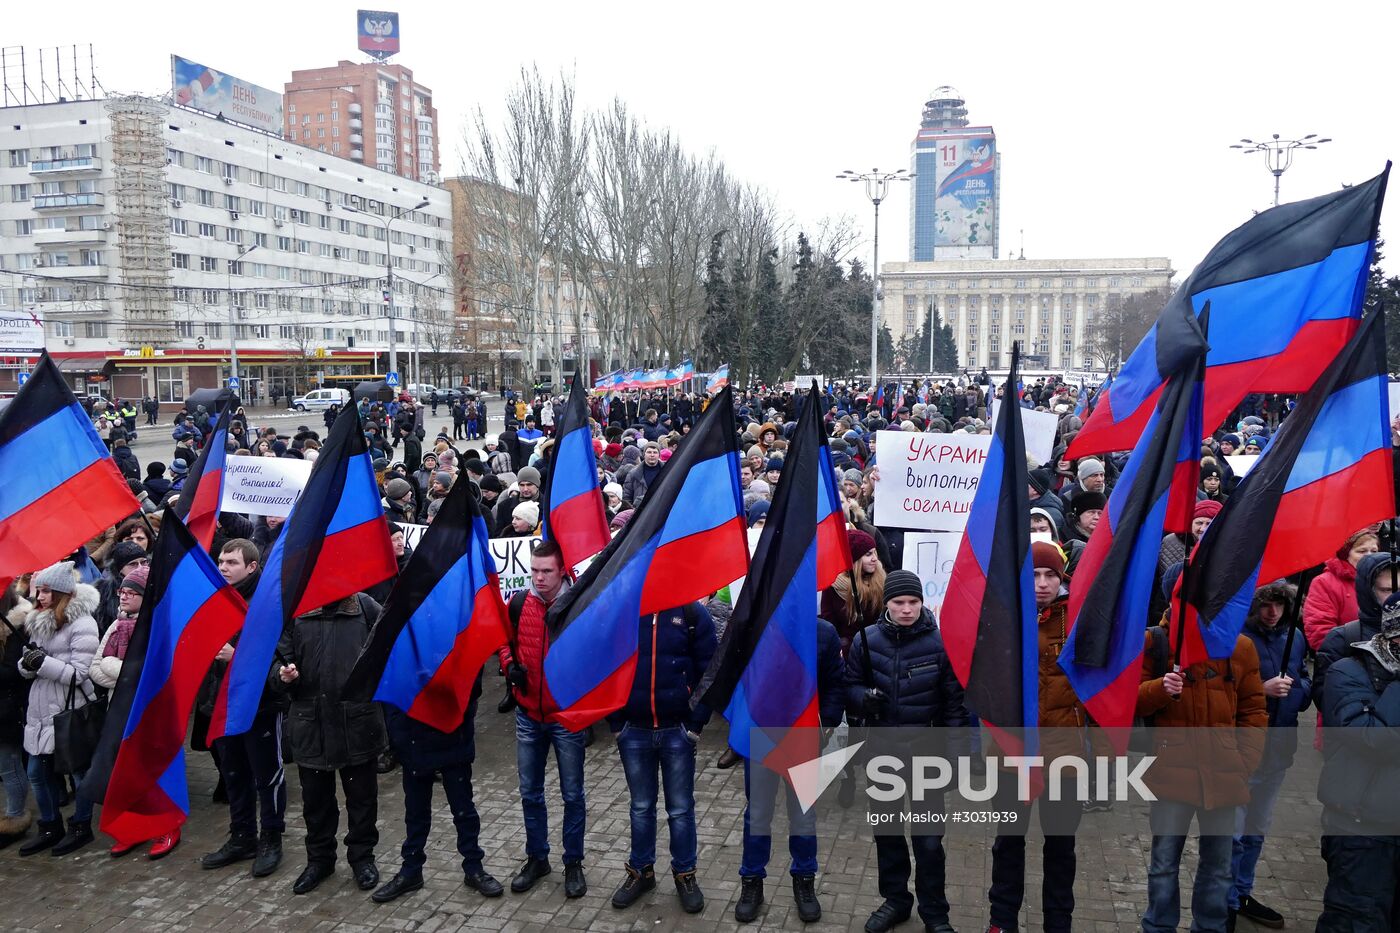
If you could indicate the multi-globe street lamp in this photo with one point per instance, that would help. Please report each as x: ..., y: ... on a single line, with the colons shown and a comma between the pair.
x: 1278, y: 153
x: 877, y: 184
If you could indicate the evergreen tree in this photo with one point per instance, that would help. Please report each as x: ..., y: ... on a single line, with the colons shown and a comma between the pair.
x: 720, y: 331
x: 1383, y: 297
x: 769, y: 323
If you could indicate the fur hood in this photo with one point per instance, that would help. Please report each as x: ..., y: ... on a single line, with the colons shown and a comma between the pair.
x: 16, y: 618
x: 41, y: 624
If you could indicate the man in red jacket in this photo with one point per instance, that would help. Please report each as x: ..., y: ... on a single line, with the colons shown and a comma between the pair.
x: 535, y: 733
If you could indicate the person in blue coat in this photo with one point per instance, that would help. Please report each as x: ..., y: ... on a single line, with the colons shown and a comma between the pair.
x: 760, y: 794
x: 425, y: 752
x: 1287, y: 692
x: 898, y: 674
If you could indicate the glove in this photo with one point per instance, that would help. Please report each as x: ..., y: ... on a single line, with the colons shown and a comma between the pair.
x: 515, y: 675
x: 33, y: 659
x: 873, y: 703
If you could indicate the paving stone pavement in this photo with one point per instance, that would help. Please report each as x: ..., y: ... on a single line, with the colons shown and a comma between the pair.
x: 91, y: 891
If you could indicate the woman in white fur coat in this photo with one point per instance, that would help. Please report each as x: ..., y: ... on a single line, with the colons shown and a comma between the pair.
x: 63, y: 638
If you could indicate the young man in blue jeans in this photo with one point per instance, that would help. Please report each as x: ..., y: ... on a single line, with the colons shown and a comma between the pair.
x: 535, y: 735
x: 658, y: 733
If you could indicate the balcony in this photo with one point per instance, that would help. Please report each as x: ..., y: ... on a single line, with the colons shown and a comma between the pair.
x: 66, y: 166
x: 357, y: 154
x: 356, y: 139
x: 72, y: 270
x: 68, y: 237
x: 58, y: 202
x: 356, y: 124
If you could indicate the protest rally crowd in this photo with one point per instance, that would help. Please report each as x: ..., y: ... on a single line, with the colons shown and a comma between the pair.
x: 139, y: 617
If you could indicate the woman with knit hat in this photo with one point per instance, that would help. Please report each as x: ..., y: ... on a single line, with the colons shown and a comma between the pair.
x: 1173, y: 551
x: 1331, y: 599
x: 856, y: 598
x: 63, y: 635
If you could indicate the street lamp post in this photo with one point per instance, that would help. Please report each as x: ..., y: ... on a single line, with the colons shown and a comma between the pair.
x: 1278, y: 153
x: 232, y: 321
x: 386, y: 223
x: 877, y: 185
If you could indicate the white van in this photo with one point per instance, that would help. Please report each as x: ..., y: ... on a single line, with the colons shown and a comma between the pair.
x: 321, y: 399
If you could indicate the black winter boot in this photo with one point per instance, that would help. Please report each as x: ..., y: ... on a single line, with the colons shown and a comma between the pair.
x: 50, y: 832
x: 79, y: 835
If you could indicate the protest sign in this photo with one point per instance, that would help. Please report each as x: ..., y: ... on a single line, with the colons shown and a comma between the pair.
x: 926, y: 481
x: 512, y: 557
x: 931, y: 554
x: 1039, y: 428
x: 1241, y: 463
x: 263, y: 485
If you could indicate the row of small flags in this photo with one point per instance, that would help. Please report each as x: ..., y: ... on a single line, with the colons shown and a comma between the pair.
x: 620, y: 380
x: 1325, y: 473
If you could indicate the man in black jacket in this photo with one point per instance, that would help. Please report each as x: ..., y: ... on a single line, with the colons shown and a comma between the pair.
x: 328, y: 735
x: 424, y: 752
x: 659, y: 732
x: 760, y: 792
x: 251, y: 763
x: 898, y: 674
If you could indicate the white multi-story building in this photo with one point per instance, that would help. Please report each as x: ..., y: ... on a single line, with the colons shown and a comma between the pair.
x: 1046, y: 304
x: 147, y: 237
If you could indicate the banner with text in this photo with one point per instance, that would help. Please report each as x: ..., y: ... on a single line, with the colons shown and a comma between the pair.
x: 263, y: 485
x: 926, y: 482
x: 1039, y: 429
x: 512, y: 557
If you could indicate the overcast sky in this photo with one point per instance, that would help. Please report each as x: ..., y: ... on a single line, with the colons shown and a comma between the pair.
x: 1113, y: 118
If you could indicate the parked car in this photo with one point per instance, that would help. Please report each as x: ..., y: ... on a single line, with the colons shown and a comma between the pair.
x: 321, y: 399
x: 422, y: 392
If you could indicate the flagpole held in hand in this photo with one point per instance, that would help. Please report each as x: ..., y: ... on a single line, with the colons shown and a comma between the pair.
x: 1294, y: 611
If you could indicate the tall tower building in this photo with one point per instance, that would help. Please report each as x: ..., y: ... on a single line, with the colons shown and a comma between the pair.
x: 953, y: 208
x: 372, y: 113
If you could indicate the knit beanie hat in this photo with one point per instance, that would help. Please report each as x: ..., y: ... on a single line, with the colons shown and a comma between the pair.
x: 136, y: 580
x: 860, y: 543
x: 1232, y: 439
x: 59, y: 578
x: 1048, y: 556
x: 613, y: 489
x: 1207, y: 508
x: 475, y: 466
x: 1088, y: 467
x: 852, y: 476
x: 1210, y: 469
x: 757, y: 510
x: 123, y: 553
x: 528, y: 512
x: 528, y: 475
x: 396, y: 489
x: 491, y: 483
x: 1040, y: 479
x: 903, y: 583
x: 443, y: 479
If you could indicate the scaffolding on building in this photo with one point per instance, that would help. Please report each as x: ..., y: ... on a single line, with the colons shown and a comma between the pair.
x: 142, y: 218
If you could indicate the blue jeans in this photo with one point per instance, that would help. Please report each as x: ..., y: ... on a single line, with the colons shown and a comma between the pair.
x: 761, y: 791
x: 48, y: 788
x: 1251, y: 825
x: 1170, y: 820
x: 15, y: 780
x: 645, y: 752
x: 533, y: 741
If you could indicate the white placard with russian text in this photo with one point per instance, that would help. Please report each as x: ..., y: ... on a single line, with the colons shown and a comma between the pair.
x: 263, y: 485
x: 927, y: 481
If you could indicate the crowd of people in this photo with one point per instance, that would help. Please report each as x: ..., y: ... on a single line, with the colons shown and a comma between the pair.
x: 881, y: 662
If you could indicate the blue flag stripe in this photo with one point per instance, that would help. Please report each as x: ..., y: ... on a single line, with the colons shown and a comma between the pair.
x: 703, y: 482
x: 567, y: 481
x: 1347, y: 429
x: 47, y: 455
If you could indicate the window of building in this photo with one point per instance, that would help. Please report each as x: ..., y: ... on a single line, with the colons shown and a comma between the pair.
x: 204, y: 164
x: 179, y: 260
x: 1020, y: 283
x: 208, y: 264
x: 179, y: 226
x: 207, y: 230
x: 232, y: 171
x: 205, y: 197
x: 210, y: 296
x: 19, y: 158
x: 214, y: 330
x: 1114, y: 281
x: 90, y: 257
x: 94, y: 329
x: 170, y: 384
x: 184, y: 328
x: 320, y: 118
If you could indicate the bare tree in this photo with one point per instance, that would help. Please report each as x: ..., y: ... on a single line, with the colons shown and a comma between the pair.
x: 1111, y: 333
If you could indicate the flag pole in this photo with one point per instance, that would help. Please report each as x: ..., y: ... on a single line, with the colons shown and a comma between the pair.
x: 1294, y: 611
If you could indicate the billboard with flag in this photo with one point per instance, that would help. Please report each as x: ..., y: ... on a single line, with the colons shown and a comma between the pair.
x: 219, y: 94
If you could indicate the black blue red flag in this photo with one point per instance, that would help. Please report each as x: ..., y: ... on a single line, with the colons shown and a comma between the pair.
x: 989, y: 623
x: 686, y: 540
x: 574, y: 514
x: 1326, y: 473
x: 443, y: 619
x: 764, y: 674
x: 58, y: 483
x: 188, y: 614
x: 198, y: 504
x: 1155, y: 496
x: 334, y: 543
x: 1285, y: 291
